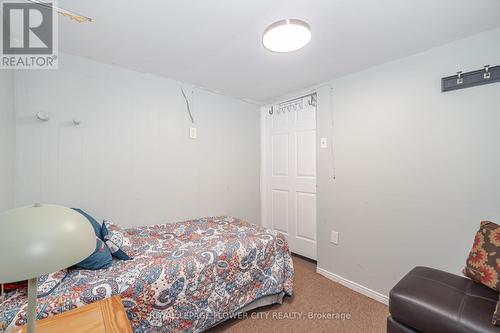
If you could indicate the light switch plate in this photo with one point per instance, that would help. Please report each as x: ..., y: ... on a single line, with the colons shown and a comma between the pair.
x: 193, y: 133
x: 334, y: 237
x: 323, y: 143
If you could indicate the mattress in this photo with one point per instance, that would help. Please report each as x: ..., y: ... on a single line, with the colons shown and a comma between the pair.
x: 185, y: 277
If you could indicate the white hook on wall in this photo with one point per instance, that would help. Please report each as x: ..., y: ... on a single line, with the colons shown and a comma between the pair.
x: 43, y: 116
x: 77, y: 121
x: 460, y: 79
x: 487, y: 73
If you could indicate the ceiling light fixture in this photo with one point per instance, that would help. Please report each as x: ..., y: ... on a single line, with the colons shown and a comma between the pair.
x: 286, y: 35
x: 72, y: 15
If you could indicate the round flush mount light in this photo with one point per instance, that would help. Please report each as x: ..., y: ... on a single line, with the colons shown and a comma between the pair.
x: 286, y: 35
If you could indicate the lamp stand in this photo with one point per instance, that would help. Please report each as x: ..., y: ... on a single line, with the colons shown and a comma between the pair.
x: 31, y: 305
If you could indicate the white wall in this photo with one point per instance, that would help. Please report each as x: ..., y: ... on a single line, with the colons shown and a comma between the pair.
x: 7, y: 139
x: 416, y: 169
x: 131, y: 159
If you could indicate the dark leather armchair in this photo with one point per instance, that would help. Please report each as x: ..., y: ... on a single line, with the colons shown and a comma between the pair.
x: 428, y: 300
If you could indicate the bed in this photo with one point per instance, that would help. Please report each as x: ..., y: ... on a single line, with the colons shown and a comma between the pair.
x: 184, y: 277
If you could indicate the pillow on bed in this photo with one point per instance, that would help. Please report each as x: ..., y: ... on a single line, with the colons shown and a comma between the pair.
x: 92, y: 221
x: 101, y: 257
x: 116, y: 239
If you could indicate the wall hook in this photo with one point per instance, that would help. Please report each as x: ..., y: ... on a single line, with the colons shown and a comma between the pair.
x: 77, y: 121
x: 312, y: 101
x: 460, y: 79
x: 487, y: 74
x: 42, y: 116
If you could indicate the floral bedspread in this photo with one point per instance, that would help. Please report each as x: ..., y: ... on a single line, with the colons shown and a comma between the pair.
x: 185, y: 277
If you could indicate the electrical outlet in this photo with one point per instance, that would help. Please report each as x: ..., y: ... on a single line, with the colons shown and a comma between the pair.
x: 334, y: 237
x: 323, y: 143
x: 193, y: 133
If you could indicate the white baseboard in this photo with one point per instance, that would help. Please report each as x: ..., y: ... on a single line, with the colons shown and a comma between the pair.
x: 354, y: 286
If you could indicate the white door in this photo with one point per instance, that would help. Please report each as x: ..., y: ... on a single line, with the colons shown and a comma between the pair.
x: 290, y: 174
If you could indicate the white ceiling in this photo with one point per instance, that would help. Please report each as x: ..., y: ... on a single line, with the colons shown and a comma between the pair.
x: 216, y: 44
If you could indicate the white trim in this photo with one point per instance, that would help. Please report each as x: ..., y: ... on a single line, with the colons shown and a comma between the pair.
x: 354, y: 286
x: 263, y: 160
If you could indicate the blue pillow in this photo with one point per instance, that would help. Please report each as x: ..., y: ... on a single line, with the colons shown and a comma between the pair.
x: 113, y: 246
x: 101, y: 257
x: 93, y: 222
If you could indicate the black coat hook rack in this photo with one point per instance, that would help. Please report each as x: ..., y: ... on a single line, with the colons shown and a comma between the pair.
x: 486, y: 75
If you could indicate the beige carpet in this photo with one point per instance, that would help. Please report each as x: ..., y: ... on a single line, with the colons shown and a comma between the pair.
x: 313, y: 293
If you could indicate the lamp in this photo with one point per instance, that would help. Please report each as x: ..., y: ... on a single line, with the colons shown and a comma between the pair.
x: 41, y: 239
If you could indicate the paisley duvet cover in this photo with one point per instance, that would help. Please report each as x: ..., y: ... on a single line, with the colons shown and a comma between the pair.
x: 185, y: 276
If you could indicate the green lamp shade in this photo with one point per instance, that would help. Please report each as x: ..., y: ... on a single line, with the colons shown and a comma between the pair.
x: 41, y: 239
